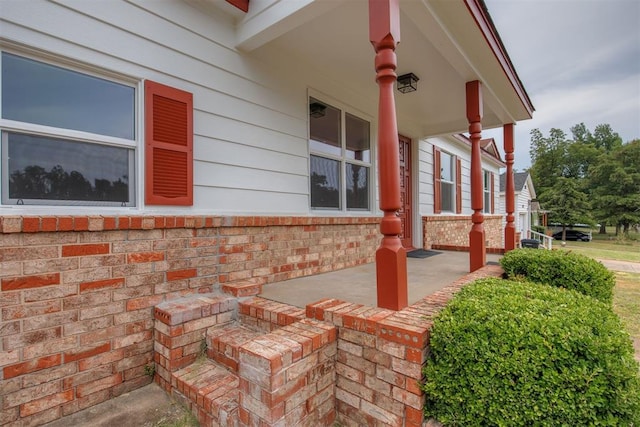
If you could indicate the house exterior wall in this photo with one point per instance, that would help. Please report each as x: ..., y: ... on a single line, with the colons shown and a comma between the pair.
x: 425, y: 155
x: 251, y: 150
x: 521, y: 214
x: 451, y: 232
x: 78, y: 284
x: 78, y: 292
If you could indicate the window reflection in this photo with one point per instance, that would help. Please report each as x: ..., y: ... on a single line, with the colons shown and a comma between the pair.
x: 324, y: 128
x: 56, y: 169
x: 44, y: 94
x: 357, y: 135
x: 357, y: 187
x: 325, y: 182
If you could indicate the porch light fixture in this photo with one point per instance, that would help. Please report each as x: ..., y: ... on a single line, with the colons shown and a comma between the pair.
x: 317, y: 110
x: 408, y: 83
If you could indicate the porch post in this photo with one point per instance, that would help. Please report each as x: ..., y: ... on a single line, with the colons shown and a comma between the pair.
x: 391, y: 258
x: 477, y: 245
x: 510, y: 227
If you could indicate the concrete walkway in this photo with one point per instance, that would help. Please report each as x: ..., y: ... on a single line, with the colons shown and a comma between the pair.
x: 626, y: 266
x: 358, y: 284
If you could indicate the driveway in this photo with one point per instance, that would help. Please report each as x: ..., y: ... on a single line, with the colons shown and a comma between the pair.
x: 626, y: 266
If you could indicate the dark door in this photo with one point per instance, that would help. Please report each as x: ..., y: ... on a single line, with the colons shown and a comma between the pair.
x: 406, y: 212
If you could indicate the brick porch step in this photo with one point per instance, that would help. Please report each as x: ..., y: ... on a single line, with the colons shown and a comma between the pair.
x: 223, y: 343
x: 240, y: 289
x: 210, y: 391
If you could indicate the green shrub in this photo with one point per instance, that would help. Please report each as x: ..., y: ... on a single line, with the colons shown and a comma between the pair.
x: 506, y: 353
x: 561, y: 269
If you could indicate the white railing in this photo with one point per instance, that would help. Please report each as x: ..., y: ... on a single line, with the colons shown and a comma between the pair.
x: 546, y: 241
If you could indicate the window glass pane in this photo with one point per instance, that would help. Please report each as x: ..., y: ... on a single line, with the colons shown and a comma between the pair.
x: 44, y: 94
x: 324, y: 128
x: 446, y: 166
x: 325, y: 183
x: 447, y: 196
x: 487, y: 191
x: 44, y: 168
x: 357, y: 134
x: 357, y: 187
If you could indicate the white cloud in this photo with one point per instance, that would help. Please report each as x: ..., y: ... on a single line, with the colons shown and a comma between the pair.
x: 578, y: 60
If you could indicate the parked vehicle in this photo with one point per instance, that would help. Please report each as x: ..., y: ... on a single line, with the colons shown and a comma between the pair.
x: 573, y: 235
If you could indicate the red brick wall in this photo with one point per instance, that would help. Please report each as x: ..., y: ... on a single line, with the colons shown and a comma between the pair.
x: 381, y: 356
x: 451, y: 232
x: 77, y: 293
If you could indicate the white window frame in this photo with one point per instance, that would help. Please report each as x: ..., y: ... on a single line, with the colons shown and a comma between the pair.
x: 342, y: 158
x: 14, y: 126
x: 486, y: 191
x: 452, y: 183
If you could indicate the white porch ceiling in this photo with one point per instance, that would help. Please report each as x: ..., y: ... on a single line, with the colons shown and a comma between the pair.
x: 440, y: 42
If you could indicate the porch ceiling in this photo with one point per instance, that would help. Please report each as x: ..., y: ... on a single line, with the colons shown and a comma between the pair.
x: 441, y: 42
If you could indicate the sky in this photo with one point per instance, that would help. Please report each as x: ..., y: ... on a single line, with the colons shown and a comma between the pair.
x: 579, y: 61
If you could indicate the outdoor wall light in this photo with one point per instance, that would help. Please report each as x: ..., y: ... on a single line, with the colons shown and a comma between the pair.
x: 317, y: 110
x: 408, y: 83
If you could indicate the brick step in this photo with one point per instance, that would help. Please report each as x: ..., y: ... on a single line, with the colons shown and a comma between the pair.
x: 210, y: 391
x: 223, y: 343
x: 267, y: 315
x: 246, y: 288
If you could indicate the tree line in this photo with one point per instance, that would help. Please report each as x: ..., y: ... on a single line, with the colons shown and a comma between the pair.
x: 592, y: 177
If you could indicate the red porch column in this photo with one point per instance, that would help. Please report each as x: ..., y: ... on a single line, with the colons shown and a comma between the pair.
x: 510, y: 227
x: 391, y: 258
x: 477, y: 245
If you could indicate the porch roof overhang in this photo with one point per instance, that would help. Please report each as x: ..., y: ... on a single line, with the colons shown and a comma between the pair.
x: 446, y: 43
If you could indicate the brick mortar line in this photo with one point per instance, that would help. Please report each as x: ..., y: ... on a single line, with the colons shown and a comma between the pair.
x: 97, y: 223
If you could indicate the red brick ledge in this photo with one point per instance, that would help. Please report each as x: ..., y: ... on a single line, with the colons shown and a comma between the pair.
x: 437, y: 218
x: 37, y: 224
x: 464, y: 249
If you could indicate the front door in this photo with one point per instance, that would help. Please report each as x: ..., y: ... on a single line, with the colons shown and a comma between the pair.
x: 405, y: 212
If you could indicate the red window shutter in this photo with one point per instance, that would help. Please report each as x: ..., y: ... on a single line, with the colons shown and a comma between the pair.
x: 437, y: 199
x: 493, y: 199
x: 168, y: 145
x: 458, y: 186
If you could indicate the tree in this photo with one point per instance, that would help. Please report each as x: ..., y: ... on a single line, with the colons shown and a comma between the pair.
x: 600, y: 166
x: 568, y: 203
x: 616, y: 183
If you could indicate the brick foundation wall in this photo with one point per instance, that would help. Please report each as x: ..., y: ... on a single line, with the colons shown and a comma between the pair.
x: 451, y: 232
x: 77, y: 293
x: 381, y: 354
x: 344, y: 362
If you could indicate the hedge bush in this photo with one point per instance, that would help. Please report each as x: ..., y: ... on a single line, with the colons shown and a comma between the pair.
x: 561, y: 269
x: 505, y: 353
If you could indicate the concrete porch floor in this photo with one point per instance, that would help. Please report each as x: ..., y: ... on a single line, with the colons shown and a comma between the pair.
x: 358, y: 284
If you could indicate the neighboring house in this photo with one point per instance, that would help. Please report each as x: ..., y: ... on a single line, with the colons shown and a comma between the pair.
x: 526, y: 206
x: 156, y: 149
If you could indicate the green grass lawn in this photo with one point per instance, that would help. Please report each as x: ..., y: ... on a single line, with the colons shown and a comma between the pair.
x: 626, y: 301
x: 606, y: 246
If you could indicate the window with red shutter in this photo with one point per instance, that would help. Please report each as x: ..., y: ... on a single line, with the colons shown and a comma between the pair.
x: 168, y: 145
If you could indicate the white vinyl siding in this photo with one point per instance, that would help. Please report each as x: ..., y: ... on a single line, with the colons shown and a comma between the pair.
x: 425, y: 160
x: 251, y: 153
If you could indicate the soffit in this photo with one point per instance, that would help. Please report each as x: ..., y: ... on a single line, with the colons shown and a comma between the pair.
x: 441, y: 43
